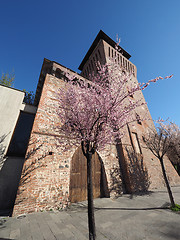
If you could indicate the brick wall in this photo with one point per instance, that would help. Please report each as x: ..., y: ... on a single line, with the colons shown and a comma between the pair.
x: 46, y: 173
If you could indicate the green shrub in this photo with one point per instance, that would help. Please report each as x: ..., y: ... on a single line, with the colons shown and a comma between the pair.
x: 176, y: 208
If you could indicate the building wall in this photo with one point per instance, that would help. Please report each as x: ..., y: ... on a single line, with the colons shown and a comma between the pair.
x: 124, y: 63
x: 46, y: 186
x: 146, y: 168
x: 11, y: 108
x: 47, y: 183
x: 98, y: 55
x: 46, y: 173
x: 9, y: 180
x: 10, y: 105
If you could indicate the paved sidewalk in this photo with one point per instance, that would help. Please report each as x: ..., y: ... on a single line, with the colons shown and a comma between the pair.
x: 129, y: 217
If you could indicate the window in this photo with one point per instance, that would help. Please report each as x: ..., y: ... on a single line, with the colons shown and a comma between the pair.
x: 135, y: 142
x: 128, y: 66
x: 133, y: 70
x: 58, y: 73
x: 92, y: 65
x: 99, y: 54
x: 121, y: 60
x: 95, y: 66
x: 115, y: 56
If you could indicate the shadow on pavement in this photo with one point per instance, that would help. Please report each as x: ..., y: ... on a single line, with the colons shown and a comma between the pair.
x: 172, y: 231
x: 136, y: 194
x: 153, y: 208
x: 84, y: 207
x: 6, y: 239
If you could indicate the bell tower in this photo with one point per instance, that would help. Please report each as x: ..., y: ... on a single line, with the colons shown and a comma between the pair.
x: 100, y: 51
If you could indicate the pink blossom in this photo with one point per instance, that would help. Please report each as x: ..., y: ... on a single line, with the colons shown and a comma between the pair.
x: 97, y: 110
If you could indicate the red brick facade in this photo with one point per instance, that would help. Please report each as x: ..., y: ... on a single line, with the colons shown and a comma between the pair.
x: 46, y: 175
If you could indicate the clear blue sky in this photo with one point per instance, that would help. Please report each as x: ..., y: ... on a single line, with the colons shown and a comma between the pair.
x: 63, y: 31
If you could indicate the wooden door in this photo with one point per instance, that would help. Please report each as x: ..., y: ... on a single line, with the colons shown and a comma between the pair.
x: 78, y: 176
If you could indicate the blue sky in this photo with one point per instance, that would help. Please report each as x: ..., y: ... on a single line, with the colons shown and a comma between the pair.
x: 63, y: 31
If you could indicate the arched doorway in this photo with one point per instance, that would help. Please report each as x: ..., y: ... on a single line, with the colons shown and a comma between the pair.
x: 78, y: 177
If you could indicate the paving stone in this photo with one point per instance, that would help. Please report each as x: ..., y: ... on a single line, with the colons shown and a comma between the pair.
x: 34, y: 228
x: 127, y: 218
x: 15, y: 234
x: 76, y: 232
x: 25, y: 229
x: 44, y: 228
x: 68, y: 234
x: 54, y: 228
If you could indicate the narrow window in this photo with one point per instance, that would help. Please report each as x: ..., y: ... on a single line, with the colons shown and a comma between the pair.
x: 109, y: 52
x: 94, y: 60
x: 99, y: 54
x: 136, y: 144
x: 92, y: 65
x: 58, y: 73
x: 126, y: 64
x: 130, y: 68
x: 115, y: 56
x: 133, y: 71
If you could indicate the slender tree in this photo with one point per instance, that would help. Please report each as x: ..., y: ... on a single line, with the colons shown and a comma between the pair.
x: 159, y: 141
x: 93, y: 114
x: 173, y: 152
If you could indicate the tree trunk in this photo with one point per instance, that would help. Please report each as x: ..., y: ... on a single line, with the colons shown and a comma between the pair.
x: 167, y: 184
x: 91, y: 220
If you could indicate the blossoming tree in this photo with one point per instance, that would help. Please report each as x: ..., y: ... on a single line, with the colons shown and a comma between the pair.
x: 93, y: 113
x: 173, y: 152
x: 161, y: 141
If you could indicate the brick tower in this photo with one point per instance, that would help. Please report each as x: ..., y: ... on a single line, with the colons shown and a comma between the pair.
x: 52, y: 178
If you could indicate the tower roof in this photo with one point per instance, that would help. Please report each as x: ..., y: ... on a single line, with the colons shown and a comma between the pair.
x: 106, y: 38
